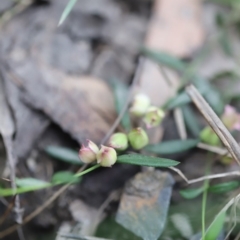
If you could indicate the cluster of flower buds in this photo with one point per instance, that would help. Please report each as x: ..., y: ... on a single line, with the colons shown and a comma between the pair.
x: 230, y: 118
x: 106, y: 156
x: 141, y: 107
x: 137, y: 138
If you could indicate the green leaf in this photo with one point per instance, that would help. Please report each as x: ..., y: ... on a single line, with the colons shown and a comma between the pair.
x: 137, y: 159
x: 120, y: 91
x: 181, y: 99
x: 165, y: 59
x: 224, y: 187
x: 64, y: 154
x: 64, y: 177
x: 173, y: 146
x: 216, y: 227
x: 36, y: 185
x: 30, y: 182
x: 191, y: 193
x: 66, y: 11
x: 191, y: 120
x: 210, y: 93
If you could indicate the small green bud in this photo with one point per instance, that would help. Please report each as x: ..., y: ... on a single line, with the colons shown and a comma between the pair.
x: 88, y: 154
x: 208, y: 136
x: 119, y: 141
x: 153, y: 117
x: 107, y: 156
x: 138, y: 138
x: 141, y: 102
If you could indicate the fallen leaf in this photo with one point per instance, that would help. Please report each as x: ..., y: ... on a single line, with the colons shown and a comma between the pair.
x: 81, y: 106
x: 176, y: 27
x: 30, y: 123
x: 144, y: 204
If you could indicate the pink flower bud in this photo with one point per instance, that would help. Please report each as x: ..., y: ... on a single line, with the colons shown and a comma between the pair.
x: 231, y: 118
x: 88, y: 154
x: 93, y: 146
x: 107, y: 156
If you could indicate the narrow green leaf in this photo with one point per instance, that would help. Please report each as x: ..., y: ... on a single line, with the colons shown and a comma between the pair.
x: 165, y: 59
x: 173, y: 146
x: 191, y: 193
x: 224, y: 187
x: 137, y: 159
x: 64, y: 177
x: 120, y: 91
x: 66, y: 11
x: 64, y: 154
x: 210, y: 93
x: 9, y: 191
x: 216, y: 227
x: 191, y: 120
x: 30, y: 182
x: 181, y: 99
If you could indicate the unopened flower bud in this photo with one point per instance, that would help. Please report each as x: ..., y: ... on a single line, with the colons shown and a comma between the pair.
x: 141, y: 102
x: 138, y: 138
x: 93, y: 146
x: 106, y: 156
x: 86, y: 154
x: 231, y: 118
x: 119, y: 141
x: 153, y: 117
x: 208, y: 136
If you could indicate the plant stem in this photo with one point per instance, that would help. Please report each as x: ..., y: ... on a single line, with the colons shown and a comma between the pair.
x: 87, y: 170
x: 204, y: 203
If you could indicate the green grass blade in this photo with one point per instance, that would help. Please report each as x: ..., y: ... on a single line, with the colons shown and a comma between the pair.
x: 64, y: 154
x: 224, y: 187
x: 66, y: 11
x: 174, y: 146
x: 215, y: 229
x: 137, y: 159
x: 191, y: 193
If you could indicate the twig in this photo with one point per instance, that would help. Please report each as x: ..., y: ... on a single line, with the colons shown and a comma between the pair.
x: 12, y: 165
x: 19, y: 7
x: 178, y: 116
x: 214, y: 149
x: 215, y: 123
x: 213, y: 176
x: 7, y: 211
x: 124, y: 109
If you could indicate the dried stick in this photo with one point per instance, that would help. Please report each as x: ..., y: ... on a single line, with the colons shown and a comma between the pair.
x: 178, y: 116
x: 215, y: 123
x: 124, y: 109
x: 213, y: 176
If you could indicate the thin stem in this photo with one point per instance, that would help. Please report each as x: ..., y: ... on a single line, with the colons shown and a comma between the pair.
x: 204, y: 203
x: 87, y: 170
x: 125, y: 107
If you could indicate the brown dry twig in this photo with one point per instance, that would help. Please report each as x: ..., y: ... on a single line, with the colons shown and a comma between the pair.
x: 215, y: 123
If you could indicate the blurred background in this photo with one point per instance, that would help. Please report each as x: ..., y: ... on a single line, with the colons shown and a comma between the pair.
x: 62, y: 82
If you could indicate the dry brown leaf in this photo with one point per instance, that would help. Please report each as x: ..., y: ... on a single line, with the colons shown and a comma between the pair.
x: 176, y: 27
x: 82, y: 106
